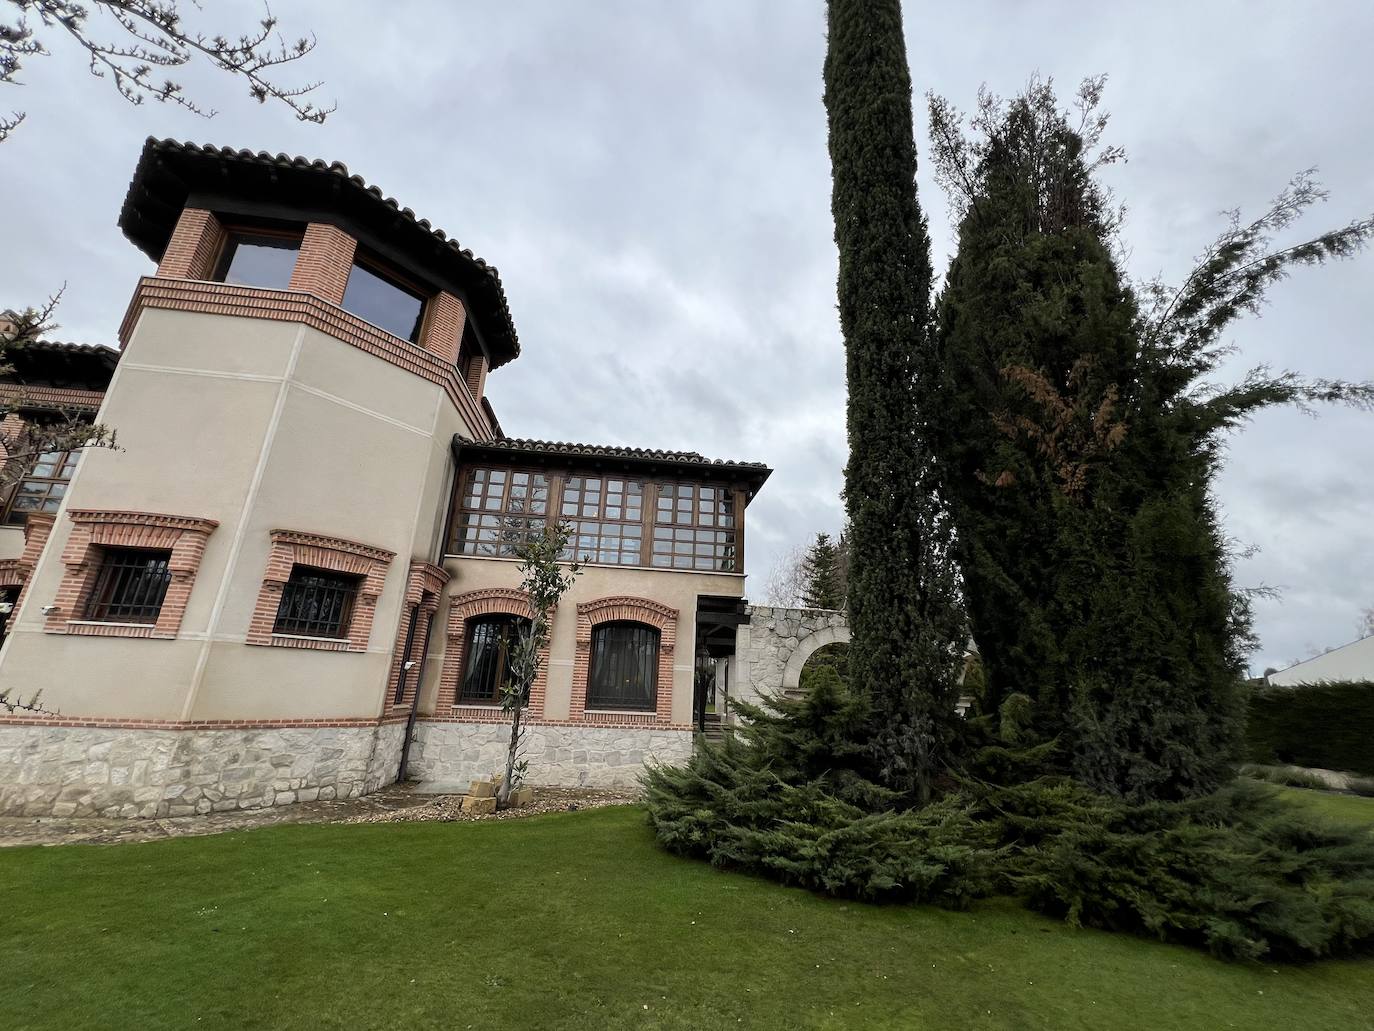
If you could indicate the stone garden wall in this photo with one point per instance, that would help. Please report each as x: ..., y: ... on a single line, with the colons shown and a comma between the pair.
x: 115, y: 771
x: 451, y: 755
x: 772, y: 649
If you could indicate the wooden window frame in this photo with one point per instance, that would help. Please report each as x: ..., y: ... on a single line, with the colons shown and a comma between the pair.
x: 14, y: 490
x: 470, y: 605
x: 624, y: 609
x: 646, y: 494
x: 696, y: 527
x: 558, y: 482
x: 227, y: 232
x: 384, y: 270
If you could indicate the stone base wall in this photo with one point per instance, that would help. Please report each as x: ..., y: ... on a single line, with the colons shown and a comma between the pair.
x: 453, y: 754
x: 120, y: 772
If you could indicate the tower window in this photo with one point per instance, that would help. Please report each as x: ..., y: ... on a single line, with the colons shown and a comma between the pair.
x: 258, y: 259
x: 383, y: 300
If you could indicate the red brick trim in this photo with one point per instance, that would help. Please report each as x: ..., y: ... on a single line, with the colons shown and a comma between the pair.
x: 194, y: 246
x: 13, y: 573
x: 37, y: 529
x: 296, y: 547
x: 493, y: 714
x: 293, y: 306
x: 17, y: 395
x: 116, y: 723
x: 324, y: 262
x: 635, y: 610
x: 184, y: 536
x: 463, y: 607
x: 424, y: 587
x: 444, y: 330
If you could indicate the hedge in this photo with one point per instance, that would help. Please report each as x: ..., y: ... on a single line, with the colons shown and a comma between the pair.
x: 1329, y: 725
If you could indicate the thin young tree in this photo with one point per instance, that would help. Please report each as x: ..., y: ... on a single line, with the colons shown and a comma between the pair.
x: 544, y: 577
x: 904, y: 611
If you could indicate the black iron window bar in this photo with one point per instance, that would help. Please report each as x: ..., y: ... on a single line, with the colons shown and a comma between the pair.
x: 130, y: 586
x: 316, y: 604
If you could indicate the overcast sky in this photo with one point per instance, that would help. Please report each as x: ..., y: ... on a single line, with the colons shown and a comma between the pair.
x: 652, y: 181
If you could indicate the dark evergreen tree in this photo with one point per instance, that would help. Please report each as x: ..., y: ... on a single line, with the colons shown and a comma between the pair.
x: 907, y: 625
x: 1077, y: 451
x: 821, y: 575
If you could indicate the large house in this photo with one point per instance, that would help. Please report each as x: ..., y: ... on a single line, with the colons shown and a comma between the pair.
x: 305, y: 540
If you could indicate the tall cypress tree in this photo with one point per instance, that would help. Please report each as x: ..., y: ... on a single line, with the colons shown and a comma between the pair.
x: 1077, y: 456
x: 904, y: 614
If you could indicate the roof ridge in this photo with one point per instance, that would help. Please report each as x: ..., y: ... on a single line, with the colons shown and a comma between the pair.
x: 611, y: 450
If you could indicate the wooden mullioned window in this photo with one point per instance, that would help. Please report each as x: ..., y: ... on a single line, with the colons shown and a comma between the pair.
x: 614, y: 519
x: 695, y: 528
x: 498, y: 510
x: 43, y: 488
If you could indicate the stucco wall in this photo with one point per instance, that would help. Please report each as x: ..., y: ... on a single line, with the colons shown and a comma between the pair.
x: 1351, y: 662
x: 678, y: 590
x: 260, y: 425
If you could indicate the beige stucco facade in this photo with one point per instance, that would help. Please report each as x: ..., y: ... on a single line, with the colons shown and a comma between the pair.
x: 268, y: 435
x: 257, y: 425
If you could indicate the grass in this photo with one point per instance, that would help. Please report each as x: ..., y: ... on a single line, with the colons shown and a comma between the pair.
x: 571, y: 921
x: 1343, y: 808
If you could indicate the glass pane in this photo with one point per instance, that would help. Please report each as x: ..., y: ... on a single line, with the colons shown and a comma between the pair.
x: 265, y: 261
x: 383, y: 303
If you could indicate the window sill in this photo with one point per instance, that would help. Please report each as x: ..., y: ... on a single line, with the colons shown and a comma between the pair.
x: 321, y: 644
x: 650, y: 714
x: 99, y: 628
x: 599, y: 565
x: 493, y: 706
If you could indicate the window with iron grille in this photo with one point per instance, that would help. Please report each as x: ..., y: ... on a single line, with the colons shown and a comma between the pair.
x: 42, y: 489
x: 491, y: 640
x: 694, y: 528
x: 130, y: 586
x: 316, y: 603
x: 499, y: 510
x: 623, y: 668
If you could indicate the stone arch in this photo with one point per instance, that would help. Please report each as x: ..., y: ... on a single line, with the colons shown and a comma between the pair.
x: 774, y: 645
x: 808, y: 646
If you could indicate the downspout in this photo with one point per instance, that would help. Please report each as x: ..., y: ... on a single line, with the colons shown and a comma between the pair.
x: 402, y: 769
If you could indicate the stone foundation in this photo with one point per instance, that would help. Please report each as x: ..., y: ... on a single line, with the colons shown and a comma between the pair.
x: 454, y: 754
x: 120, y: 772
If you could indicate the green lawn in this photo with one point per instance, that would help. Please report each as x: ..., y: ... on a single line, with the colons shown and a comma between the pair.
x: 569, y: 921
x: 1343, y: 808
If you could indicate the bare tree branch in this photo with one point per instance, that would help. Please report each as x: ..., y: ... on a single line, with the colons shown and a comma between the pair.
x: 156, y: 41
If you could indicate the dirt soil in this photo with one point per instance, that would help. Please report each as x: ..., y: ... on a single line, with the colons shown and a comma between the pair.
x: 391, y: 805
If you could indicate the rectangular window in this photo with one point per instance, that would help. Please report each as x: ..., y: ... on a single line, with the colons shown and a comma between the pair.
x: 498, y: 510
x: 385, y: 301
x: 258, y: 259
x: 42, y: 489
x: 623, y: 670
x: 694, y: 528
x: 605, y: 515
x: 316, y: 603
x: 130, y: 586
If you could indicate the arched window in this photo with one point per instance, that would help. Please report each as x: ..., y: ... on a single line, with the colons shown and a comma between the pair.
x: 490, y: 640
x: 623, y: 669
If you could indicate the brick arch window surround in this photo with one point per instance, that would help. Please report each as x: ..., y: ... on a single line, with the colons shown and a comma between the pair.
x: 294, y: 550
x: 100, y: 537
x: 463, y: 608
x: 624, y: 610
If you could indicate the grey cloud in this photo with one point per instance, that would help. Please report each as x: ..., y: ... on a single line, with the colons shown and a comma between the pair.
x: 651, y: 178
